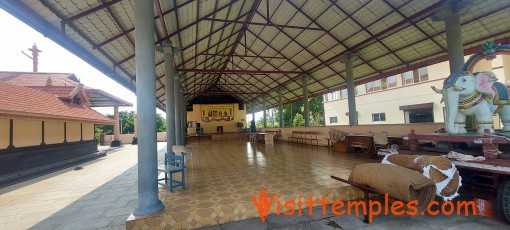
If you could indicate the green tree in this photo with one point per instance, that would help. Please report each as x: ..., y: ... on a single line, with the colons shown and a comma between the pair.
x: 299, y: 120
x: 160, y: 123
x: 316, y: 106
x: 290, y: 111
x: 259, y: 123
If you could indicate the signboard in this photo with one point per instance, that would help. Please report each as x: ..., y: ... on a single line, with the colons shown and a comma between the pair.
x: 217, y: 112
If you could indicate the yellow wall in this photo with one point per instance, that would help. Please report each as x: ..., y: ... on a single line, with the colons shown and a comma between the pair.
x: 4, y: 133
x: 27, y: 133
x: 53, y: 132
x: 88, y: 131
x: 73, y: 132
x: 210, y: 127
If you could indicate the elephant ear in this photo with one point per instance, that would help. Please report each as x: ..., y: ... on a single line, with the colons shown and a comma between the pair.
x: 485, y: 82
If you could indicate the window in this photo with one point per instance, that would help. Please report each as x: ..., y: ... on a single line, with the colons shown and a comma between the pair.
x: 407, y: 78
x: 423, y: 74
x: 391, y: 81
x: 333, y: 120
x: 415, y: 76
x: 359, y: 90
x: 373, y: 86
x: 343, y: 93
x: 419, y: 116
x: 378, y: 117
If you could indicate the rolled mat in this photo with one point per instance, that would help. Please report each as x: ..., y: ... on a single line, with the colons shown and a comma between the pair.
x: 439, y: 169
x: 399, y: 182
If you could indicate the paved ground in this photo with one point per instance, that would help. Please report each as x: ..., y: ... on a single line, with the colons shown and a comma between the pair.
x: 99, y: 196
x: 103, y: 194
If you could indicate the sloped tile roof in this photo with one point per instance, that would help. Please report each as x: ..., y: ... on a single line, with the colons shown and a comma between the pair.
x: 61, y: 85
x: 24, y: 101
x: 37, y: 79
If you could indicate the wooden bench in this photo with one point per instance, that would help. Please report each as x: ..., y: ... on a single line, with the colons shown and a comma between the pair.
x: 296, y: 137
x: 311, y: 136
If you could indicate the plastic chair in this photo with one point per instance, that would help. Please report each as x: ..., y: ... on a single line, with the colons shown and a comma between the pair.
x: 183, y: 150
x: 173, y: 164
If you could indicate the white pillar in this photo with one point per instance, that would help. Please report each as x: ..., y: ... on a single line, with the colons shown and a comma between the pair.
x: 280, y: 106
x: 116, y: 128
x: 148, y: 202
x: 264, y: 112
x: 306, y: 111
x: 178, y: 110
x: 351, y: 100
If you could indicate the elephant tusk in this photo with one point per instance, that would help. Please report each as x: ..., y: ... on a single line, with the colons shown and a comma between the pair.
x: 457, y: 88
x: 436, y: 89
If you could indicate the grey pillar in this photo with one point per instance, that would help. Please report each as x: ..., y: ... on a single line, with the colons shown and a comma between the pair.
x: 264, y: 112
x: 167, y: 49
x: 183, y: 118
x: 178, y: 110
x: 280, y: 106
x: 306, y: 112
x: 454, y: 42
x: 353, y: 115
x: 148, y: 202
x: 116, y: 129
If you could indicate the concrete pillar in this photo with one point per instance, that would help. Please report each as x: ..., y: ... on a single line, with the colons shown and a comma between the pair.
x: 280, y: 106
x: 306, y: 111
x: 168, y: 51
x: 454, y: 42
x: 450, y: 14
x: 135, y: 124
x: 183, y: 118
x: 116, y: 128
x: 351, y: 96
x: 148, y: 202
x: 178, y: 110
x: 264, y: 112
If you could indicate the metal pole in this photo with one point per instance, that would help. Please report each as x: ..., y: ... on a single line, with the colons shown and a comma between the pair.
x: 148, y: 202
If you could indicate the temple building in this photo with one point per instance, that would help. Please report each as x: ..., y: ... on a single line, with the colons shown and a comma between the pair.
x: 47, y: 121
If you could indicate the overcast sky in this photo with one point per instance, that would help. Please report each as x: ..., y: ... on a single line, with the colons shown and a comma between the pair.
x: 16, y: 36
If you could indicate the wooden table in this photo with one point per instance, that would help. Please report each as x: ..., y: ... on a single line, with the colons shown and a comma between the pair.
x: 265, y: 137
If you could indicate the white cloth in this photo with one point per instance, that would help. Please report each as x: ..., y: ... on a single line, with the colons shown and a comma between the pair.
x: 464, y: 157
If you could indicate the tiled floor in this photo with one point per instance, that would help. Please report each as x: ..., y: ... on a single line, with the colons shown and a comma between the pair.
x: 225, y: 175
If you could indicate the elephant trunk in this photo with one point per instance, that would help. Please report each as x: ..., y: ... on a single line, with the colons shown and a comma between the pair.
x: 451, y: 98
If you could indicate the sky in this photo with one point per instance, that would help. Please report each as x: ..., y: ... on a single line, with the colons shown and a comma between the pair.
x: 16, y: 36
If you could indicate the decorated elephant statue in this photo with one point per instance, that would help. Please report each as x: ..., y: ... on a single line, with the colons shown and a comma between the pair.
x: 474, y: 94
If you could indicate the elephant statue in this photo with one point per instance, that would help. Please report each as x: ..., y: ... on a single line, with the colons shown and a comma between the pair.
x: 478, y: 94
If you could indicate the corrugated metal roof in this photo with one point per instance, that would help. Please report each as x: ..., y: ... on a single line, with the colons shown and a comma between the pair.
x: 287, y: 35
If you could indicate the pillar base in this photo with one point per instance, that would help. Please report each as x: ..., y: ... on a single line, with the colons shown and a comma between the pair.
x: 135, y: 141
x: 148, y: 210
x: 116, y: 144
